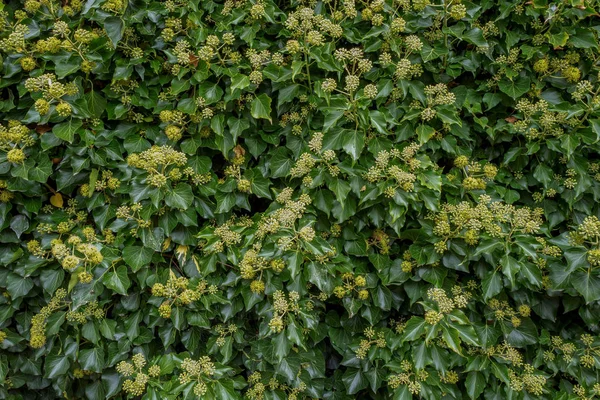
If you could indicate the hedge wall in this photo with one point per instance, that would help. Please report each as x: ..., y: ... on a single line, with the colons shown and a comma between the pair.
x: 332, y: 199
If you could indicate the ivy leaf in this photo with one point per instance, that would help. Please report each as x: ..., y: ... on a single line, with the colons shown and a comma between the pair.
x: 587, y: 285
x: 114, y: 27
x: 354, y: 381
x: 66, y: 130
x: 261, y: 107
x: 137, y: 256
x: 56, y: 365
x: 92, y: 359
x: 354, y: 142
x: 180, y: 197
x: 117, y: 280
x: 475, y: 384
x: 515, y: 88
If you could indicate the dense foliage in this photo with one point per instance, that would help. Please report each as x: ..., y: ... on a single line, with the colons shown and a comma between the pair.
x: 338, y: 199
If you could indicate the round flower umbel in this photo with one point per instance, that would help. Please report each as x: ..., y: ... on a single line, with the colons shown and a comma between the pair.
x: 179, y: 291
x: 372, y: 338
x: 14, y: 138
x: 284, y: 306
x: 77, y: 247
x: 397, y: 169
x: 476, y: 174
x: 39, y: 321
x: 587, y: 234
x: 493, y: 219
x: 259, y: 385
x: 200, y: 372
x: 408, y: 377
x: 138, y: 375
x: 352, y: 285
x: 52, y: 92
x: 163, y: 166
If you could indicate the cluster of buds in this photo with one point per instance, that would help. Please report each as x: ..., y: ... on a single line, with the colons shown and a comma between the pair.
x: 179, y: 291
x: 305, y: 167
x: 162, y: 163
x: 591, y: 350
x: 252, y: 267
x: 476, y: 174
x: 587, y: 394
x: 258, y: 387
x: 537, y: 122
x: 496, y: 219
x: 566, y: 350
x: 309, y: 29
x: 198, y: 371
x: 372, y: 338
x: 37, y: 331
x: 92, y: 310
x: 381, y: 240
x: 77, y: 253
x: 352, y: 285
x: 588, y: 234
x: 397, y: 168
x: 5, y: 194
x: 106, y: 182
x: 140, y: 377
x: 176, y: 122
x: 436, y: 95
x: 52, y: 92
x: 565, y: 66
x: 282, y: 306
x: 235, y: 171
x: 132, y: 213
x: 13, y: 138
x: 445, y: 305
x: 527, y: 380
x: 504, y: 312
x: 355, y: 64
x: 223, y: 332
x: 284, y: 219
x: 408, y: 377
x: 229, y: 233
x: 297, y: 119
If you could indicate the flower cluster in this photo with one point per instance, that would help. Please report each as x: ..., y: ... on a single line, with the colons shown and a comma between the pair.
x: 179, y: 291
x: 39, y: 321
x: 495, y: 219
x: 352, y: 285
x: 141, y: 376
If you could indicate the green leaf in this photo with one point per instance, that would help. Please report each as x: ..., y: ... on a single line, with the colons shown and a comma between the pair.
x: 475, y: 384
x: 492, y: 284
x: 239, y: 81
x: 510, y: 268
x: 137, y: 256
x: 114, y: 27
x: 353, y: 144
x: 341, y: 189
x: 92, y: 359
x: 515, y: 88
x: 96, y: 103
x: 587, y: 285
x: 354, y: 381
x: 261, y: 107
x: 66, y: 130
x: 415, y: 328
x: 117, y: 280
x: 378, y: 121
x: 56, y: 365
x: 180, y: 197
x: 559, y: 39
